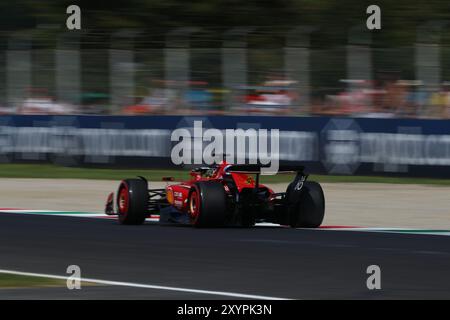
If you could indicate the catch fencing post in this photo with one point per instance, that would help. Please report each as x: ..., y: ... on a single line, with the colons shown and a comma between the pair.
x: 122, y: 69
x: 18, y: 69
x: 177, y: 59
x: 297, y: 61
x: 68, y: 68
x: 234, y: 62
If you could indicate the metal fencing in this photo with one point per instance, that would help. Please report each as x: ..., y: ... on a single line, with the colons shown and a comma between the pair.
x: 183, y: 75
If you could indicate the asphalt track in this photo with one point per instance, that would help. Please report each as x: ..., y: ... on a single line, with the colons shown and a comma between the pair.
x: 268, y: 261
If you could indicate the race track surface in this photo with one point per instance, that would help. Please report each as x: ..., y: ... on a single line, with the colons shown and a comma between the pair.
x: 268, y: 261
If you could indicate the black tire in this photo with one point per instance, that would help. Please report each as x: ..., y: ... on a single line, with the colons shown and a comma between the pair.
x: 135, y: 212
x: 306, y: 208
x: 211, y: 201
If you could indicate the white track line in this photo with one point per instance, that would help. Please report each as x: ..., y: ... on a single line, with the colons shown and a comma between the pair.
x: 144, y: 286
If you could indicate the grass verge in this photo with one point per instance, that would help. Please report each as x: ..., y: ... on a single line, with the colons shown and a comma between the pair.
x: 59, y: 172
x: 8, y: 280
x: 16, y: 281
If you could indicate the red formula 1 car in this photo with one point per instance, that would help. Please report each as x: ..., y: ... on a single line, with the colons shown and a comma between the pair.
x: 221, y: 195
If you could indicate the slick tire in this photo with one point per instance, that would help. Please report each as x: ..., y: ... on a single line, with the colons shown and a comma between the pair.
x: 306, y: 208
x: 132, y: 201
x: 207, y: 204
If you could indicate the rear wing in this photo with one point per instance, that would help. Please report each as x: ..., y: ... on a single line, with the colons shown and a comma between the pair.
x: 256, y: 168
x: 299, y: 179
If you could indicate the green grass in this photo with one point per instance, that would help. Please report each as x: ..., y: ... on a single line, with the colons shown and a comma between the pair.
x: 59, y: 172
x: 16, y: 281
x: 21, y: 281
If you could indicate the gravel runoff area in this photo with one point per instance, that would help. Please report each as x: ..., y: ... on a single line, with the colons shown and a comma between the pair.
x: 349, y: 204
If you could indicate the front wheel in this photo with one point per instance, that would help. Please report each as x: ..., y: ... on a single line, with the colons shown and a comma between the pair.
x: 306, y: 207
x: 132, y: 201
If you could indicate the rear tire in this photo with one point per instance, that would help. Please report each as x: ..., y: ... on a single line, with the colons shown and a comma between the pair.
x: 132, y: 201
x: 306, y: 207
x: 207, y: 204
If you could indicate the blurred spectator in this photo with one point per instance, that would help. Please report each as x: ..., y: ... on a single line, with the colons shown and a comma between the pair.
x: 446, y: 93
x: 159, y: 100
x: 39, y: 102
x: 95, y: 103
x: 272, y: 97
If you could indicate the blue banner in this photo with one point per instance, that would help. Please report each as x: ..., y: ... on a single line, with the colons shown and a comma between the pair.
x: 326, y: 145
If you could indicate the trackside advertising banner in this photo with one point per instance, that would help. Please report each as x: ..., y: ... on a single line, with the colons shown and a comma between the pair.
x: 364, y: 146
